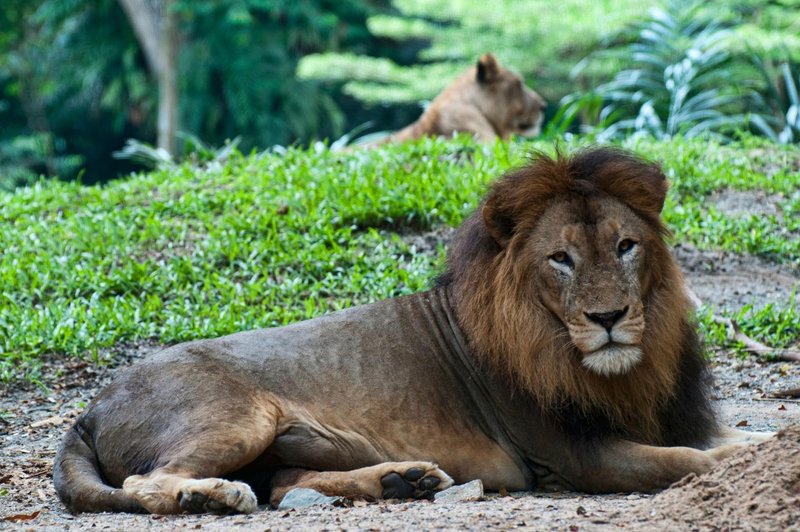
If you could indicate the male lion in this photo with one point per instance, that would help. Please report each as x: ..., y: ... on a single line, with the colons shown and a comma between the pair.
x: 557, y: 351
x: 487, y: 100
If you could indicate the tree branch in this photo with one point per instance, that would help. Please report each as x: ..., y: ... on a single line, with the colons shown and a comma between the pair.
x: 144, y: 16
x: 735, y: 333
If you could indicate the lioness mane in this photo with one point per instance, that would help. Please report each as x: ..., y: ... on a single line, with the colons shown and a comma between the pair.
x: 514, y: 334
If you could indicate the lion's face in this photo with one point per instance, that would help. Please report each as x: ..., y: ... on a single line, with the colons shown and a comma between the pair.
x: 564, y: 283
x: 506, y: 101
x: 590, y: 260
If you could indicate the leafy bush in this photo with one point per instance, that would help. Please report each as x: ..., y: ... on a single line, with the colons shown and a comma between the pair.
x: 683, y: 81
x: 783, y: 124
x: 76, y: 70
x: 24, y: 158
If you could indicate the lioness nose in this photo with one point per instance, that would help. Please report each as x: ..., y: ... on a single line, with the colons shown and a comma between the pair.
x: 607, y: 319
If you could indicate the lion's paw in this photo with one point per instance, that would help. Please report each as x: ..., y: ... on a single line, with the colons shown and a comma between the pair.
x: 418, y: 480
x: 216, y: 496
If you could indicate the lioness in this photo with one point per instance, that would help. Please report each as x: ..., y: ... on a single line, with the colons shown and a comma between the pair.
x: 557, y: 351
x: 487, y: 100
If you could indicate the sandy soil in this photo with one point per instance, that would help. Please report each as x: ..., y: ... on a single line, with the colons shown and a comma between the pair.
x: 758, y: 489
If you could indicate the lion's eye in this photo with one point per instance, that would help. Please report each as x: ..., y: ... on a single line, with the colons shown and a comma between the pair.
x: 625, y: 246
x: 561, y: 257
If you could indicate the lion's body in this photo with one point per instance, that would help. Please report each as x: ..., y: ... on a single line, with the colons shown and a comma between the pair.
x: 487, y: 100
x: 514, y: 370
x: 370, y: 413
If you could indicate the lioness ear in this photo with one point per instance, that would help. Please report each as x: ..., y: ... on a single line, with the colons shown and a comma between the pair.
x: 488, y: 69
x: 499, y: 223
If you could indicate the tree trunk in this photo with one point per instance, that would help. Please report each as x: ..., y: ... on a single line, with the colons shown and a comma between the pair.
x: 156, y: 29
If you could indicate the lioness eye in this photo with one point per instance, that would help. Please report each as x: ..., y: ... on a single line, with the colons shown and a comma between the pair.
x: 625, y: 246
x: 561, y: 257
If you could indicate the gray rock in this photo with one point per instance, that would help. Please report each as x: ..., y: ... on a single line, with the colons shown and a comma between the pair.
x: 471, y: 491
x: 304, y: 497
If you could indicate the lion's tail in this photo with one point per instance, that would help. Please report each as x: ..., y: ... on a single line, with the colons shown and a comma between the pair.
x: 76, y: 475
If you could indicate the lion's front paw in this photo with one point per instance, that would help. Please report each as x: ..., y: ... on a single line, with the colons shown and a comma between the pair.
x: 211, y: 495
x: 725, y: 451
x: 418, y: 480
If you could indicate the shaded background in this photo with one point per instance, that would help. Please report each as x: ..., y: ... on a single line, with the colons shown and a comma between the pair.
x: 79, y: 77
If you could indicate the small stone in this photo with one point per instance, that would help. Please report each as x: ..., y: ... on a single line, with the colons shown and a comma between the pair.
x: 471, y: 491
x: 304, y: 497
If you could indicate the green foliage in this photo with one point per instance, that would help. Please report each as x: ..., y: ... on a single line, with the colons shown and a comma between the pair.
x: 541, y: 42
x: 262, y: 240
x: 183, y: 253
x: 241, y: 57
x: 683, y: 80
x: 783, y: 125
x: 546, y: 45
x: 699, y: 169
x: 72, y: 74
x: 24, y: 158
x: 767, y: 28
x: 777, y: 326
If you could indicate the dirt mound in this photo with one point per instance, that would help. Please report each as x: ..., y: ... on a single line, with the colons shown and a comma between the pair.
x: 757, y: 489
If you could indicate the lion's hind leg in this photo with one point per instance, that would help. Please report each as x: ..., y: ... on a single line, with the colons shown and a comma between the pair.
x: 216, y: 444
x: 388, y: 480
x: 164, y: 492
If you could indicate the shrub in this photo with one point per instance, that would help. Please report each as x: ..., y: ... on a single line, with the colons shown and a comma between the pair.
x: 682, y: 81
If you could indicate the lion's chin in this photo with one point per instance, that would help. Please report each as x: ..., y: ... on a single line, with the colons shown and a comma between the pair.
x: 612, y: 359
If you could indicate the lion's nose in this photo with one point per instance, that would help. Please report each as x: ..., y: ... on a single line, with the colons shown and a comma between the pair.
x: 607, y: 319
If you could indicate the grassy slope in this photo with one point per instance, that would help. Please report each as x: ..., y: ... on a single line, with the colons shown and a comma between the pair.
x: 268, y: 239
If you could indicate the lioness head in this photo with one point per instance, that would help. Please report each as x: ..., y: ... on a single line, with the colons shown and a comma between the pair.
x: 563, y: 281
x: 486, y: 101
x: 505, y: 100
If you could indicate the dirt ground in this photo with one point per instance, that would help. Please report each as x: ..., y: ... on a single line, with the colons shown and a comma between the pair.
x: 758, y: 489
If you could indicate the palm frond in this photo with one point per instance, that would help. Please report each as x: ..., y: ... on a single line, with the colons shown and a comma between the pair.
x: 683, y: 79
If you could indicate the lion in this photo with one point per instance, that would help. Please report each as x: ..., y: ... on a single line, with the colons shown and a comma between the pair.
x: 487, y: 100
x: 556, y: 351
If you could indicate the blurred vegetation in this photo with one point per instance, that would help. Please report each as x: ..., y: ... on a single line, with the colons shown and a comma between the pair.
x: 688, y: 77
x: 541, y: 42
x: 683, y: 79
x: 544, y: 44
x: 199, y: 251
x: 75, y: 84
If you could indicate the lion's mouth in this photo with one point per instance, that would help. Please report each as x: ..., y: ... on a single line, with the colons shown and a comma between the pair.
x: 612, y: 359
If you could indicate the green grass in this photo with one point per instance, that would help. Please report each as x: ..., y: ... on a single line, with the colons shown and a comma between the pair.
x: 698, y: 169
x: 268, y: 239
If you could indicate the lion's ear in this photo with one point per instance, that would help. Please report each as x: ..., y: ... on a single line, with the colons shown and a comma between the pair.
x: 658, y: 188
x: 647, y: 193
x: 498, y: 221
x: 488, y: 69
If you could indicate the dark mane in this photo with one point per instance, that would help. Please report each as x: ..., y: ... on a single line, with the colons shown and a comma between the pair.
x: 484, y: 273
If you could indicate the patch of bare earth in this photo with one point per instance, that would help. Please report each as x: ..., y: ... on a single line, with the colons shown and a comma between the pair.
x: 757, y: 489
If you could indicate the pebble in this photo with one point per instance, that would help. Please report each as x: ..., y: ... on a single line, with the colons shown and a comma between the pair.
x: 305, y: 497
x: 471, y: 491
